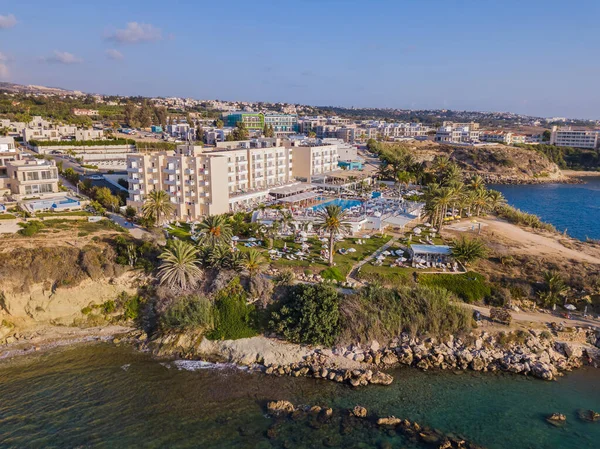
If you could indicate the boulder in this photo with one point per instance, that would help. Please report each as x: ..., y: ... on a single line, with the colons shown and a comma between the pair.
x: 380, y: 378
x: 280, y: 407
x: 588, y: 415
x: 389, y: 421
x: 359, y: 412
x: 390, y: 359
x: 556, y: 419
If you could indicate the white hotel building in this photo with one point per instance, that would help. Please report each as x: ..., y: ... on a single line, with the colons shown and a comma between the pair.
x: 206, y: 181
x: 566, y: 137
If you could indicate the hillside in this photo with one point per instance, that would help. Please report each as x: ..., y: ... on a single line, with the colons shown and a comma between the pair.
x: 495, y: 163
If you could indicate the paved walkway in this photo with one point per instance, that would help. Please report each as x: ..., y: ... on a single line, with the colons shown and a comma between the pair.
x: 356, y: 268
x: 136, y: 231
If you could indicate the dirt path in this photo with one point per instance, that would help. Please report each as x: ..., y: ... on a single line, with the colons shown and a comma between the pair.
x: 511, y: 239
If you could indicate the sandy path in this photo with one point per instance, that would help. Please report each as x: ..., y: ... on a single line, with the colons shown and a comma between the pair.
x: 511, y: 239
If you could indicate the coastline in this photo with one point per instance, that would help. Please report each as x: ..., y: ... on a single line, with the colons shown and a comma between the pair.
x: 580, y: 173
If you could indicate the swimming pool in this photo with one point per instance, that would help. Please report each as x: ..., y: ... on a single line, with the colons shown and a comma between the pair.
x: 344, y: 204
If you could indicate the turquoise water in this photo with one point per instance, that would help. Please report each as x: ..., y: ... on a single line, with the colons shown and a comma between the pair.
x: 104, y: 396
x: 571, y: 207
x: 344, y: 204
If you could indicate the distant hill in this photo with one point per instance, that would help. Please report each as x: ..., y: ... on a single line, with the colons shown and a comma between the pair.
x: 33, y: 89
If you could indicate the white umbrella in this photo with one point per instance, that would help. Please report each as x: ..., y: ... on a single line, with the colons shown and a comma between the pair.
x: 235, y: 238
x: 417, y: 231
x: 427, y: 225
x: 570, y: 307
x: 299, y: 253
x: 303, y: 234
x: 324, y: 239
x: 252, y: 239
x: 386, y: 253
x: 272, y: 251
x: 403, y: 259
x: 381, y: 256
x: 351, y: 250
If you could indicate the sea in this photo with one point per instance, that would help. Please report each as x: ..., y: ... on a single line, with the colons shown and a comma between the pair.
x: 103, y: 396
x: 574, y: 208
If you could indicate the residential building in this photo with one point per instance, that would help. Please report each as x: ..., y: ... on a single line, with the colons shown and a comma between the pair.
x: 252, y: 120
x: 282, y: 123
x: 89, y: 134
x: 496, y: 137
x: 313, y: 157
x: 22, y: 176
x: 457, y: 134
x: 567, y: 137
x: 182, y: 131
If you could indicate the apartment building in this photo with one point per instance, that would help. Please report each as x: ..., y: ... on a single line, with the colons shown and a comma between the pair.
x: 85, y: 112
x: 567, y: 137
x: 89, y: 134
x: 496, y: 137
x: 313, y: 157
x: 457, y: 134
x: 282, y: 123
x: 253, y: 121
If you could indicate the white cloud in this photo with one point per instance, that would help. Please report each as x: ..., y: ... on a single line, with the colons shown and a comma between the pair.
x: 3, y: 57
x: 135, y: 33
x: 114, y: 54
x: 4, y: 72
x: 8, y: 21
x: 62, y: 57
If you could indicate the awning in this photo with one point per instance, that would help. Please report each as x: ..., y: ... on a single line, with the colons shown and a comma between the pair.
x: 298, y: 197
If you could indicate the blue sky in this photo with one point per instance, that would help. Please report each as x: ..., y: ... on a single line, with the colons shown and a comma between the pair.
x: 529, y: 56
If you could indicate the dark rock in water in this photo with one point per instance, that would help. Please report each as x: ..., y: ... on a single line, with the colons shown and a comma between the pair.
x: 280, y: 407
x: 389, y: 421
x: 556, y: 419
x: 588, y: 415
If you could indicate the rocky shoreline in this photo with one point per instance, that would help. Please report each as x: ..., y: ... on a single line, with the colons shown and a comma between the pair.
x: 533, y: 353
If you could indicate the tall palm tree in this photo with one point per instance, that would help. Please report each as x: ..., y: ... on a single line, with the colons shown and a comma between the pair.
x: 215, y: 230
x: 477, y: 182
x: 179, y: 266
x: 481, y: 202
x: 441, y: 163
x: 555, y: 288
x: 157, y: 205
x: 403, y: 178
x: 332, y: 219
x: 495, y: 199
x: 253, y: 262
x: 452, y: 174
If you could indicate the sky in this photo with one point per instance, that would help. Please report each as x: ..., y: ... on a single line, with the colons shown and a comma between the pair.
x: 529, y: 56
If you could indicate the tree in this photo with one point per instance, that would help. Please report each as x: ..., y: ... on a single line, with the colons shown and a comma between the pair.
x: 179, y: 267
x: 130, y: 213
x: 468, y: 250
x: 219, y: 123
x: 477, y: 182
x: 160, y: 114
x: 146, y: 114
x: 554, y: 289
x: 4, y: 131
x: 546, y: 136
x: 240, y: 132
x: 215, y: 230
x: 157, y: 205
x: 104, y: 196
x: 129, y: 113
x: 332, y: 220
x: 200, y: 134
x: 253, y: 262
x: 71, y: 176
x: 403, y: 178
x: 312, y: 134
x: 308, y: 314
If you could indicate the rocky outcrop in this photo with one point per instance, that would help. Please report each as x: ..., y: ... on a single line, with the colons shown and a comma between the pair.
x: 556, y: 419
x: 358, y: 419
x: 589, y: 415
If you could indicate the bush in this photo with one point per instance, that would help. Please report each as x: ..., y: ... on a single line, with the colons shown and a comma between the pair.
x: 188, y: 312
x: 470, y: 287
x: 518, y: 217
x: 333, y: 273
x: 233, y: 317
x: 307, y: 314
x: 30, y: 228
x: 108, y: 307
x: 377, y: 313
x: 468, y: 250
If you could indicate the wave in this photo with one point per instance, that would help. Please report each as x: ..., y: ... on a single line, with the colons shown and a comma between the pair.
x: 196, y: 365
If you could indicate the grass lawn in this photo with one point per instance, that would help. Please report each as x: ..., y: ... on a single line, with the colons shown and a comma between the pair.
x: 470, y: 286
x: 6, y: 216
x: 385, y: 274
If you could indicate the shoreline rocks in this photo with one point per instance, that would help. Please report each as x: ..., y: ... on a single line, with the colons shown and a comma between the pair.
x: 358, y: 418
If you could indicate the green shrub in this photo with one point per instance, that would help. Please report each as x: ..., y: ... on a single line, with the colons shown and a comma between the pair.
x: 188, y: 312
x: 233, y: 317
x: 30, y: 228
x: 86, y: 310
x: 108, y: 307
x: 470, y: 287
x: 307, y: 314
x: 333, y: 273
x: 377, y: 313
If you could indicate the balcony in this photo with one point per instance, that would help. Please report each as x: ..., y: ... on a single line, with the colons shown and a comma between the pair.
x: 135, y: 170
x: 153, y: 170
x: 173, y: 171
x: 170, y: 182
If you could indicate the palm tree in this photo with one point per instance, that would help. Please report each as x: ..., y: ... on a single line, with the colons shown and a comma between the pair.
x: 215, y: 230
x: 468, y: 250
x: 452, y: 174
x: 481, y: 201
x: 477, y: 182
x: 179, y: 267
x: 441, y: 163
x: 157, y: 205
x: 332, y: 219
x: 403, y: 178
x: 253, y: 262
x: 555, y: 288
x: 496, y: 199
x: 273, y: 231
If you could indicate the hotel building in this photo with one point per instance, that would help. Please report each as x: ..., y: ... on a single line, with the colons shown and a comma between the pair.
x: 566, y: 137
